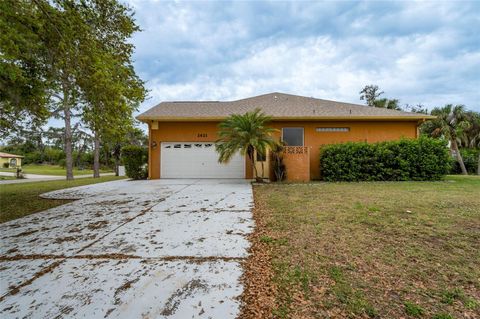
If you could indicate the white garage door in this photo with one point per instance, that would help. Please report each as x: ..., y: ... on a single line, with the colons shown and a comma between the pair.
x: 197, y: 160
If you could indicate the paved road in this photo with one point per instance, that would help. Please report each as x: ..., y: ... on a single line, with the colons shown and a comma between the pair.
x: 38, y: 178
x: 130, y: 249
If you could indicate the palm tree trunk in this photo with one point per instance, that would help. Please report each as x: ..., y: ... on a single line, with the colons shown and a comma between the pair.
x: 96, y: 156
x: 459, y: 157
x: 250, y: 155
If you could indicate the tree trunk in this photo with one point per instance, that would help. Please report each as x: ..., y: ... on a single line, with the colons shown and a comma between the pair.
x: 116, y: 155
x: 252, y: 160
x: 68, y: 135
x: 478, y: 168
x: 117, y: 164
x: 459, y: 157
x: 96, y: 156
x: 79, y: 155
x: 106, y: 150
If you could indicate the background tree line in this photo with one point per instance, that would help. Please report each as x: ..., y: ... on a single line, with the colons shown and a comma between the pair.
x: 70, y: 60
x: 454, y: 123
x: 46, y: 147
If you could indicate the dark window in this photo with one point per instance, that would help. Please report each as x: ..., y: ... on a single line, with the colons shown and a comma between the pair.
x: 292, y: 136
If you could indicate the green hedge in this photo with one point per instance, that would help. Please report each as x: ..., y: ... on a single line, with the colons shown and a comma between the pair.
x: 470, y: 159
x: 134, y: 159
x: 408, y: 159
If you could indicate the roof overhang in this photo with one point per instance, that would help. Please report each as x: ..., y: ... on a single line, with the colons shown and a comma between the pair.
x: 149, y: 119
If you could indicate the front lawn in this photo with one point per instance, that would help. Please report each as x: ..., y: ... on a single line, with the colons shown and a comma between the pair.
x: 355, y: 250
x: 51, y: 170
x: 4, y: 178
x: 18, y: 200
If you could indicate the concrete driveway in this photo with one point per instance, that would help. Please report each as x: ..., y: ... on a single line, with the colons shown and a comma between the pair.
x: 130, y: 249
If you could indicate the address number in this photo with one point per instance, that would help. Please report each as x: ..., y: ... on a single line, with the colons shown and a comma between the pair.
x: 202, y: 135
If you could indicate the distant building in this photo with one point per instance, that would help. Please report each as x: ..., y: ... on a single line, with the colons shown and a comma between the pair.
x: 10, y: 160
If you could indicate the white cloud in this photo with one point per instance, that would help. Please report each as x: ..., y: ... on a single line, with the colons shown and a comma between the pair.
x: 417, y: 52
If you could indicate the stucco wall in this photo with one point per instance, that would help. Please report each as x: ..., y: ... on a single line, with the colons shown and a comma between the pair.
x: 359, y: 131
x: 182, y: 132
x: 207, y: 132
x: 8, y: 159
x: 297, y: 163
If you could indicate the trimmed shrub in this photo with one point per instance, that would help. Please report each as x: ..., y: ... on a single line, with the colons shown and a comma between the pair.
x: 135, y: 160
x: 407, y: 159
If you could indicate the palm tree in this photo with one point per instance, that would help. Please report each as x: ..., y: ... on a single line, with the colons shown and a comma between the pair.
x: 450, y: 123
x: 471, y: 136
x: 247, y: 133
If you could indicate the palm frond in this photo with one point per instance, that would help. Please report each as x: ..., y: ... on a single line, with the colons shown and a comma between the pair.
x: 244, y: 133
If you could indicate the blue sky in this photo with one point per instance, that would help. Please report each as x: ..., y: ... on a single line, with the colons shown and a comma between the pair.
x: 418, y: 52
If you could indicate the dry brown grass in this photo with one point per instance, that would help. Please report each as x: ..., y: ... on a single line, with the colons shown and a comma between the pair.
x: 258, y: 299
x: 379, y: 250
x: 19, y: 200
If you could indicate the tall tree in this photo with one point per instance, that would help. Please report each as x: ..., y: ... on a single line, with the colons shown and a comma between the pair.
x: 111, y: 89
x: 370, y: 93
x: 450, y: 123
x: 65, y: 36
x: 24, y: 69
x: 471, y: 135
x: 64, y: 58
x: 419, y: 108
x: 387, y: 104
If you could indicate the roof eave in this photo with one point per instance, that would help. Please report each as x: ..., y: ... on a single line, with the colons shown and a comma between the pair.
x: 147, y: 119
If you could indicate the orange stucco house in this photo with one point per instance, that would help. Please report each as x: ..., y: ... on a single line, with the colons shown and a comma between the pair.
x: 182, y: 134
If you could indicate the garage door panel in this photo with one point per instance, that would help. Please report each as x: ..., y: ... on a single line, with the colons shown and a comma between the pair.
x: 197, y: 160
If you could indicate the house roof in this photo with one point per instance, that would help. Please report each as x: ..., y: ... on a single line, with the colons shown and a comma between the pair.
x: 8, y: 155
x: 279, y: 106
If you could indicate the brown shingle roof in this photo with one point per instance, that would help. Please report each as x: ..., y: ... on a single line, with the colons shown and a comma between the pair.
x: 279, y: 106
x: 8, y: 155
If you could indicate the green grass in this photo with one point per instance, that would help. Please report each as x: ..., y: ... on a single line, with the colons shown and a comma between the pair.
x: 3, y: 178
x: 18, y: 200
x: 51, y: 170
x: 374, y: 249
x: 413, y: 310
